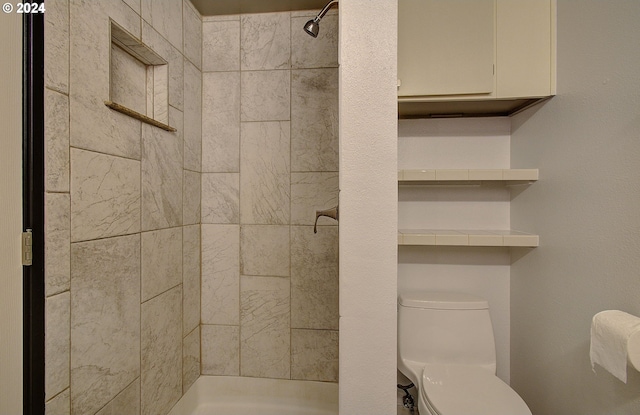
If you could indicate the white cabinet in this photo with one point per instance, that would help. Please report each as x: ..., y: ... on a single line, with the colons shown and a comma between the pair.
x: 446, y: 47
x: 469, y: 57
x: 525, y: 64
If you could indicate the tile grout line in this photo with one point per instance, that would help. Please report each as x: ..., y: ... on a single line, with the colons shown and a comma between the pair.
x: 240, y: 279
x: 291, y: 363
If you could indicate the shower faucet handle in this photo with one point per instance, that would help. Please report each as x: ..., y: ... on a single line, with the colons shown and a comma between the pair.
x: 330, y: 213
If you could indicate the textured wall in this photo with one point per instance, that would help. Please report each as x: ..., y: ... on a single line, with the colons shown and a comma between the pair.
x: 122, y: 213
x: 585, y: 209
x: 369, y: 206
x: 269, y: 160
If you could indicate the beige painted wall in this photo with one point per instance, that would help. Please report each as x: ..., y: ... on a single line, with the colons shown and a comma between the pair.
x: 368, y: 206
x: 585, y: 207
x: 453, y: 144
x: 11, y: 217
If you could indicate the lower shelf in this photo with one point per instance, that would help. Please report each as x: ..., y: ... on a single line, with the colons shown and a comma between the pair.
x: 446, y: 237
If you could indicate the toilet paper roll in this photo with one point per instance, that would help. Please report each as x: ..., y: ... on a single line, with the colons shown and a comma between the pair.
x: 615, y: 340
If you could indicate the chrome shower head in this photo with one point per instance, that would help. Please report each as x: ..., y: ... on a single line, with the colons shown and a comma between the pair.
x: 312, y: 27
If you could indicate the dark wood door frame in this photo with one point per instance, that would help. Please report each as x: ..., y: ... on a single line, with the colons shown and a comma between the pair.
x: 33, y: 212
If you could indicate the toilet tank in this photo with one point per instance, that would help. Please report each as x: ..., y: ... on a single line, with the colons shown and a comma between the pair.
x: 441, y: 327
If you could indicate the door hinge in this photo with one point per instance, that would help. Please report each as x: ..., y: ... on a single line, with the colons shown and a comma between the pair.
x: 27, y: 248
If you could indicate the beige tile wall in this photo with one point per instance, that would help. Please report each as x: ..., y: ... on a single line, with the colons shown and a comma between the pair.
x: 122, y: 214
x: 130, y: 322
x: 269, y: 160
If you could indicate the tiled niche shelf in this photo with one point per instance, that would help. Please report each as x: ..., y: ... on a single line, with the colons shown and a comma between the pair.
x: 455, y: 177
x: 139, y: 80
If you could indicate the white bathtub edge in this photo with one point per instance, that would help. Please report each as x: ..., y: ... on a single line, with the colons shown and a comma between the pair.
x: 208, y: 389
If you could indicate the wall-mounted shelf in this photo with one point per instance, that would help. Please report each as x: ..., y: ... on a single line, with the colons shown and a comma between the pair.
x: 449, y: 237
x: 464, y: 176
x: 446, y: 237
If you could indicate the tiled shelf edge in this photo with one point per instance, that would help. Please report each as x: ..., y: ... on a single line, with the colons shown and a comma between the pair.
x: 446, y: 237
x: 140, y: 117
x: 467, y: 175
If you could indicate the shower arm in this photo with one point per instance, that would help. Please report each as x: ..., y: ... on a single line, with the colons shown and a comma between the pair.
x: 324, y: 10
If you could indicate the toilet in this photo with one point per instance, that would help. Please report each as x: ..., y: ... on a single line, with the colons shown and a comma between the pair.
x: 447, y: 349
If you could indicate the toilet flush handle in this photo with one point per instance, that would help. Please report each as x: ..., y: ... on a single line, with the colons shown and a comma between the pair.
x: 330, y: 213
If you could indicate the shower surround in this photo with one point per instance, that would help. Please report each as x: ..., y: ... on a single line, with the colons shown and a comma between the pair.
x: 169, y: 254
x: 269, y: 159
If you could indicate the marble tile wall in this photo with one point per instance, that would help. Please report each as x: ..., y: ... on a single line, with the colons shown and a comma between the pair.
x: 269, y: 161
x: 123, y: 212
x: 127, y: 74
x: 134, y: 214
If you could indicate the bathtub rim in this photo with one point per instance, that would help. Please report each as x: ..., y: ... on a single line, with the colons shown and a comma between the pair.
x: 208, y: 389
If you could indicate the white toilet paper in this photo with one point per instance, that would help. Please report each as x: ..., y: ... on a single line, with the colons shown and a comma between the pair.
x: 615, y: 334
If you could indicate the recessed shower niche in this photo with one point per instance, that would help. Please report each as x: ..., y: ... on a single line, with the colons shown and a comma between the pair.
x: 138, y: 80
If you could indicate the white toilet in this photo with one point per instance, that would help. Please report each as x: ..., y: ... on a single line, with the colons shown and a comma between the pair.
x: 446, y: 348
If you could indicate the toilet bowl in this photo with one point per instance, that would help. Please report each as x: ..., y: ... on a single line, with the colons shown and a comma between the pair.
x: 446, y: 348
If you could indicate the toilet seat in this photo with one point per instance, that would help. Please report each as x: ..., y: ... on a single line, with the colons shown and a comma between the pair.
x: 468, y: 390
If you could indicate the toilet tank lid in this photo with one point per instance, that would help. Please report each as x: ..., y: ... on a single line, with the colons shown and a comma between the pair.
x: 442, y: 300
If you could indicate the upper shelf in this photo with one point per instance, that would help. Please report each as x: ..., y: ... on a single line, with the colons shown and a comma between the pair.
x: 451, y: 176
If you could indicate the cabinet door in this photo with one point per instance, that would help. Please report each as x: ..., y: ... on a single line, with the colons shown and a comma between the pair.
x: 445, y: 47
x: 525, y: 43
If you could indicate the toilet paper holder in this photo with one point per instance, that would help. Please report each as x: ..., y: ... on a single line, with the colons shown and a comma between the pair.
x: 615, y: 342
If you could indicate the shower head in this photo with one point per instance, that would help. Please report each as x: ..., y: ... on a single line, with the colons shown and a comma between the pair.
x: 313, y: 26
